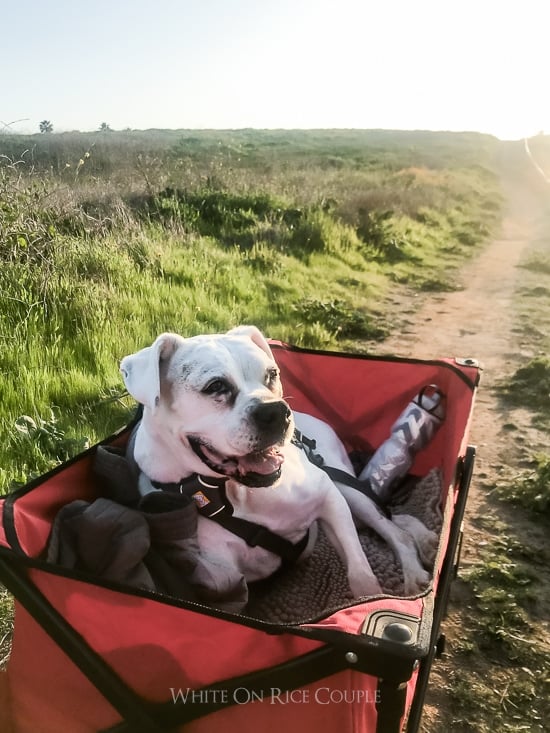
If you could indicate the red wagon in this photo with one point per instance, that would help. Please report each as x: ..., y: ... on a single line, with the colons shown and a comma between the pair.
x: 91, y: 655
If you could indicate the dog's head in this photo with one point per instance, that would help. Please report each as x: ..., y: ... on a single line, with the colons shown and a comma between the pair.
x: 219, y: 397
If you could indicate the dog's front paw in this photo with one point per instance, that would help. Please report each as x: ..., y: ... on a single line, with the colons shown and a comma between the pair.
x: 415, y: 579
x: 427, y: 546
x: 426, y: 541
x: 364, y: 584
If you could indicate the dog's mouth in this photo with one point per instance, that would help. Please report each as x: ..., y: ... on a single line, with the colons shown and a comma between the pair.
x: 256, y: 469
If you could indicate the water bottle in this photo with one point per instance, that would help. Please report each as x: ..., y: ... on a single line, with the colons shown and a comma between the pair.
x: 412, y: 430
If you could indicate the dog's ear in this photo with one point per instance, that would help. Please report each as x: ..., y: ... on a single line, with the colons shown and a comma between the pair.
x: 141, y: 373
x: 255, y: 334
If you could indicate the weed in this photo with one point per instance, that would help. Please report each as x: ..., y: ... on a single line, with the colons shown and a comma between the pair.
x: 538, y: 262
x: 339, y: 318
x: 509, y: 699
x: 49, y: 438
x: 214, y: 213
x: 263, y: 258
x: 537, y: 292
x: 440, y: 285
x: 27, y: 228
x: 530, y: 386
x: 375, y: 231
x: 6, y: 625
x: 506, y: 687
x: 530, y: 489
x: 319, y: 232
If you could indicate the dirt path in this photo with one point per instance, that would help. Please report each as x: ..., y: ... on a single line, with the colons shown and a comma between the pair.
x: 479, y: 321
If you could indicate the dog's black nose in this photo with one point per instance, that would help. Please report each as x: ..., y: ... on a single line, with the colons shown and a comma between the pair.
x: 271, y: 416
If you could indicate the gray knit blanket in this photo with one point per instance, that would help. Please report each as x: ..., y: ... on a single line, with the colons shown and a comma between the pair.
x: 318, y: 586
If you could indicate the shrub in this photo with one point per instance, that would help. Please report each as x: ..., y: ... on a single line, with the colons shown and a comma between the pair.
x: 374, y: 229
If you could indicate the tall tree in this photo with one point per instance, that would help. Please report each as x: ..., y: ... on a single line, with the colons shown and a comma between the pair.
x: 46, y: 126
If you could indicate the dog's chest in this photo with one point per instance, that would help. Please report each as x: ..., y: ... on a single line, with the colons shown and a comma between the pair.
x: 291, y: 504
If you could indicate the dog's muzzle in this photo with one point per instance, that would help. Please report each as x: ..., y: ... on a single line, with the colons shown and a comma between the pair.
x: 258, y: 469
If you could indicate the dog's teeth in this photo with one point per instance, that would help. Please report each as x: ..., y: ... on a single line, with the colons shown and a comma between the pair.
x: 265, y: 463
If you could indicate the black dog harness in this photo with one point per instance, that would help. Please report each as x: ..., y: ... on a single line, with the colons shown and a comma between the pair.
x: 211, y: 500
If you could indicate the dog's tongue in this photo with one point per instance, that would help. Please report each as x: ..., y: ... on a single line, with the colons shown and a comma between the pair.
x: 265, y: 462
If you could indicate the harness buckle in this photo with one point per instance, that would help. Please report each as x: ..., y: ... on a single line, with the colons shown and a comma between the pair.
x: 308, y: 445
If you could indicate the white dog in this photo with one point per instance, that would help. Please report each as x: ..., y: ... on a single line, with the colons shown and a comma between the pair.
x: 213, y: 406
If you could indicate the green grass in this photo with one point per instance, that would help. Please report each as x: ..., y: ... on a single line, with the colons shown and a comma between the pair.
x: 530, y: 489
x: 6, y: 625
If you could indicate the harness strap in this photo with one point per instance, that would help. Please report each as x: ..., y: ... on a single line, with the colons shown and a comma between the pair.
x: 256, y: 535
x: 211, y: 501
x: 309, y: 445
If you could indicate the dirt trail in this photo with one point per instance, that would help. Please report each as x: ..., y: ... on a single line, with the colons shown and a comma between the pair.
x: 479, y: 321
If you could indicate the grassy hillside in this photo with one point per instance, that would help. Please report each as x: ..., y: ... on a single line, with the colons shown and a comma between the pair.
x: 107, y: 239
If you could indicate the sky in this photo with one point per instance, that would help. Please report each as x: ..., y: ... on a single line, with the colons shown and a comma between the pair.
x: 477, y: 65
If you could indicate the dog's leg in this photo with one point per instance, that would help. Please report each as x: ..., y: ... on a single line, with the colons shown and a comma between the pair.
x: 425, y: 540
x: 401, y: 541
x: 414, y: 576
x: 338, y: 524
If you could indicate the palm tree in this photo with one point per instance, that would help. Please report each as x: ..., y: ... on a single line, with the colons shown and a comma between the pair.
x: 104, y: 127
x: 46, y: 126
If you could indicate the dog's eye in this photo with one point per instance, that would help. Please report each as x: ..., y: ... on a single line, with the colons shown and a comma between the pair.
x: 217, y: 387
x: 271, y: 376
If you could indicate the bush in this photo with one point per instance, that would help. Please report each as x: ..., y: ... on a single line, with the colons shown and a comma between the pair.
x: 318, y: 231
x: 374, y: 229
